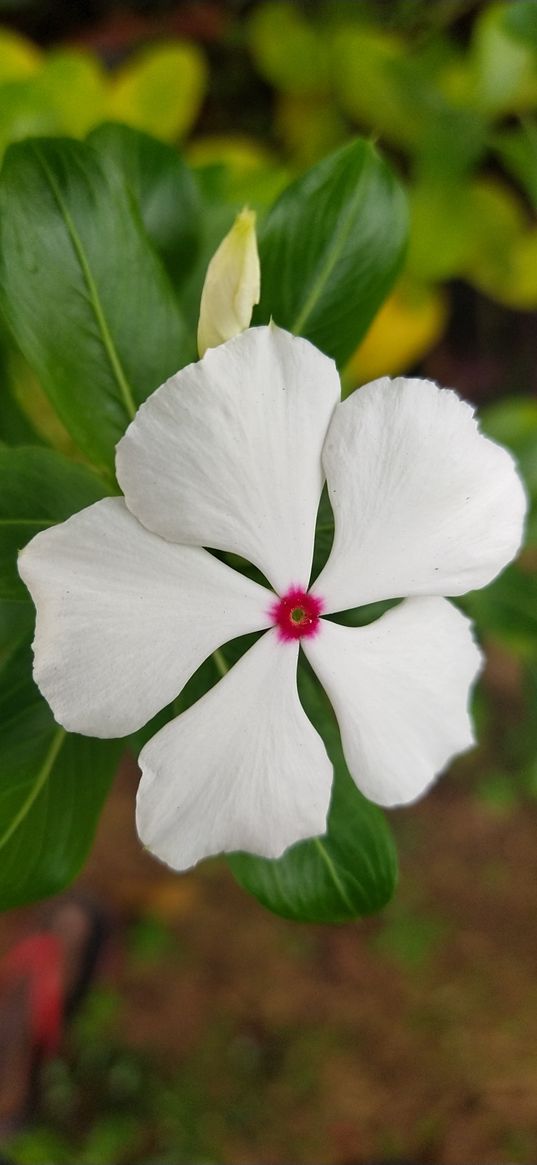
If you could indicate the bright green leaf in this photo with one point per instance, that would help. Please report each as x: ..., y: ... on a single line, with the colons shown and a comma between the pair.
x: 82, y: 290
x: 52, y: 790
x: 288, y: 50
x: 80, y: 76
x: 38, y: 487
x: 364, y: 63
x: 160, y: 89
x: 331, y: 248
x: 22, y: 115
x: 19, y: 58
x: 504, y: 67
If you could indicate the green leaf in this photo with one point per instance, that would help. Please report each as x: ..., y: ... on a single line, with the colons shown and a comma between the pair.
x: 502, y: 60
x: 52, y: 789
x: 365, y: 65
x: 163, y: 188
x: 288, y: 50
x: 83, y: 291
x: 507, y: 610
x: 513, y: 422
x: 16, y: 626
x: 160, y: 89
x: 520, y: 21
x: 330, y: 249
x: 15, y: 428
x: 81, y: 75
x: 19, y: 58
x: 38, y: 487
x: 518, y: 151
x: 350, y: 872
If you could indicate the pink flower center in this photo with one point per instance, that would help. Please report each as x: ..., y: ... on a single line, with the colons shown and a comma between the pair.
x: 296, y: 614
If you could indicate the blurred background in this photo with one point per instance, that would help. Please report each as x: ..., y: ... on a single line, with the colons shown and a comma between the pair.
x: 211, y: 1030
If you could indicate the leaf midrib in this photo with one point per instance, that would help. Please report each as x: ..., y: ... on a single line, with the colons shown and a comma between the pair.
x: 94, y: 298
x: 37, y: 786
x: 334, y: 251
x: 334, y: 875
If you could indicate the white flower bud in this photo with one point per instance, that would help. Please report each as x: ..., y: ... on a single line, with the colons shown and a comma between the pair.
x: 232, y: 285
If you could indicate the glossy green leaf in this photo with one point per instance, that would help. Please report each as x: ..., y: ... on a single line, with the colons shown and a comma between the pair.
x: 52, y: 790
x: 348, y: 873
x: 331, y: 248
x: 83, y: 291
x: 163, y: 188
x: 38, y: 487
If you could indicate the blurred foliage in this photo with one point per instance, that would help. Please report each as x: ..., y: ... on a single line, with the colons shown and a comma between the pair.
x: 452, y: 114
x: 457, y: 113
x: 67, y: 91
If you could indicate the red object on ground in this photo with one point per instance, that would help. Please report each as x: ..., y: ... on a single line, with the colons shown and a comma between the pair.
x: 38, y: 962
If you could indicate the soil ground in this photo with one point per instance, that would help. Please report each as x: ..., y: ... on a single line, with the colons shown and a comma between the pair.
x: 410, y: 1036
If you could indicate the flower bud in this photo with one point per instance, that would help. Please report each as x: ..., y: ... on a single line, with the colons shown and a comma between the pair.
x: 232, y: 285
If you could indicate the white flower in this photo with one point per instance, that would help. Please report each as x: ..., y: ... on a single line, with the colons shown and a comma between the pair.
x: 231, y: 453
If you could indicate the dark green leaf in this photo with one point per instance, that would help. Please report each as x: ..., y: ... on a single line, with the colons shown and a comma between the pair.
x: 15, y: 428
x: 163, y: 188
x: 82, y: 289
x: 16, y: 625
x: 51, y: 792
x: 331, y: 247
x: 350, y: 872
x: 38, y: 488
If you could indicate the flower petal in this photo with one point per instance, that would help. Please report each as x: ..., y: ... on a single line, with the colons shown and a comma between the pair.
x: 125, y: 618
x: 227, y: 453
x: 400, y: 689
x: 423, y: 502
x: 243, y: 769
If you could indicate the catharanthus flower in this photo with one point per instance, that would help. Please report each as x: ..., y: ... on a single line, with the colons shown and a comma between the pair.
x: 231, y: 454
